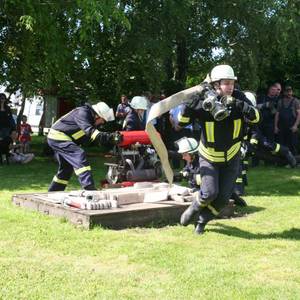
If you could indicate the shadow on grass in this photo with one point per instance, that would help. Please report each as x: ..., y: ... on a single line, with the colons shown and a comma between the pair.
x: 250, y: 209
x: 291, y: 234
x: 161, y: 222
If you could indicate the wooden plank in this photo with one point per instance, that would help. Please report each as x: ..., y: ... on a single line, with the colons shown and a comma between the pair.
x: 164, y: 214
x: 130, y: 215
x: 74, y: 216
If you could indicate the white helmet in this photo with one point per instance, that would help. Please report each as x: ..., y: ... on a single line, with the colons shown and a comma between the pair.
x: 187, y: 145
x: 104, y: 111
x: 139, y: 102
x: 222, y: 72
x: 251, y: 96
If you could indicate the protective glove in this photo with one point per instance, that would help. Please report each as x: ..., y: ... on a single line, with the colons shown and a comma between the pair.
x: 185, y: 174
x: 109, y: 138
x: 104, y: 138
x: 116, y: 138
x: 243, y: 106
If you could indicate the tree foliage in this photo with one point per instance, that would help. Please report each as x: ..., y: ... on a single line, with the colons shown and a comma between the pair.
x: 101, y: 49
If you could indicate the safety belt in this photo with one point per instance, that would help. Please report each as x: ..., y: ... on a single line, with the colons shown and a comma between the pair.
x: 159, y: 109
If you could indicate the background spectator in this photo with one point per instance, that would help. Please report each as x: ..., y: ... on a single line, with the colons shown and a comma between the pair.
x: 123, y: 109
x: 267, y: 104
x: 24, y: 136
x: 287, y: 120
x: 7, y: 125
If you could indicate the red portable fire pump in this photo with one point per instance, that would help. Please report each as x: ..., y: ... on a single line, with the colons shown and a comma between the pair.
x: 135, y: 159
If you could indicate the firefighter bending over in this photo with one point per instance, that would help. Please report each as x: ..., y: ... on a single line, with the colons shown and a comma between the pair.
x: 221, y: 110
x: 73, y: 129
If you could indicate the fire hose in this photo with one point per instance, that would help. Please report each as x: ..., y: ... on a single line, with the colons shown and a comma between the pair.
x: 159, y: 109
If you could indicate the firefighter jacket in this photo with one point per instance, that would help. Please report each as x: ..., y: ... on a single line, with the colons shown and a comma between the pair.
x: 133, y: 122
x: 220, y: 141
x: 78, y: 126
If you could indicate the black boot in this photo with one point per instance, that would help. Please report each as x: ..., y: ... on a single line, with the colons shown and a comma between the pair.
x: 189, y: 213
x: 90, y: 187
x: 287, y: 154
x: 291, y: 159
x: 56, y: 187
x: 199, y: 228
x: 239, y: 201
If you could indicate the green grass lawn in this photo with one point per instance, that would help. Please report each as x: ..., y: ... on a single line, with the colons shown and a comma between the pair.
x: 253, y: 257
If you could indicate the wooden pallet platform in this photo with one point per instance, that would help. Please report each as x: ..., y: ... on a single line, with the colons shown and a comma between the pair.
x: 131, y: 215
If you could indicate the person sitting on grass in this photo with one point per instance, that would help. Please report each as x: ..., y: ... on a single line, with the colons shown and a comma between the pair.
x: 15, y: 153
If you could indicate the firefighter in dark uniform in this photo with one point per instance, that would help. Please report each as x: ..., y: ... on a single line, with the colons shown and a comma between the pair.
x: 135, y: 118
x: 221, y: 110
x: 73, y: 129
x: 188, y: 148
x: 261, y: 147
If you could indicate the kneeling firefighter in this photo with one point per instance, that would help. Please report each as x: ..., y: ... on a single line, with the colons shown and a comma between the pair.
x: 188, y: 148
x: 73, y: 129
x: 220, y: 110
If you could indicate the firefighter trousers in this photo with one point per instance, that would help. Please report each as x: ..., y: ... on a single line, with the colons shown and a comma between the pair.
x: 217, y: 184
x: 70, y: 158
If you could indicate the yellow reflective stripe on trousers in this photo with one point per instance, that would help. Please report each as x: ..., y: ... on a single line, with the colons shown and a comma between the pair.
x: 277, y: 148
x: 244, y: 172
x: 219, y: 156
x: 58, y: 136
x: 77, y: 135
x: 94, y: 135
x: 212, y: 209
x: 239, y: 180
x: 183, y: 119
x: 61, y: 181
x: 237, y: 127
x: 210, y: 131
x: 253, y: 141
x: 82, y: 170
